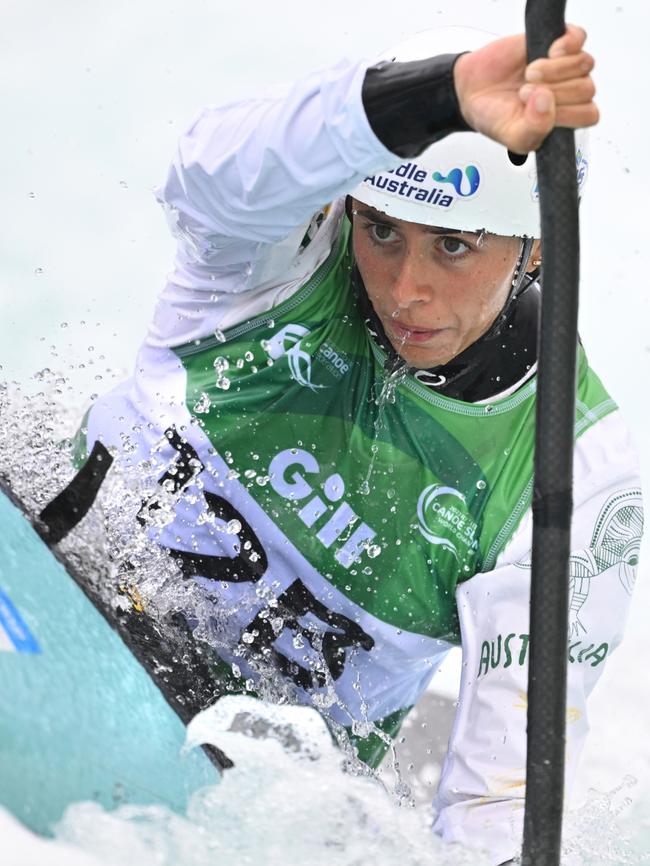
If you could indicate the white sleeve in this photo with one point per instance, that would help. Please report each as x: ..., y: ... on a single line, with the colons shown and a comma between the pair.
x: 480, y: 799
x: 248, y: 176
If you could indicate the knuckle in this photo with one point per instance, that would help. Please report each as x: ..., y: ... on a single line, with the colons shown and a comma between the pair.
x: 587, y: 61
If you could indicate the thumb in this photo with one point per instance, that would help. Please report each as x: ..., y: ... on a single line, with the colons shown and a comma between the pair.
x: 539, y: 115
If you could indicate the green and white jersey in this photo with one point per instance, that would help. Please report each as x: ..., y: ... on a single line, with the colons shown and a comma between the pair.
x: 350, y: 529
x: 360, y: 503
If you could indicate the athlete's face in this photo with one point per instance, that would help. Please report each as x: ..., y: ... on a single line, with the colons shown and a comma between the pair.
x: 435, y: 290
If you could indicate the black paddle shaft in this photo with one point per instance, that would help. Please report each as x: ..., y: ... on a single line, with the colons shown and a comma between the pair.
x: 552, y: 497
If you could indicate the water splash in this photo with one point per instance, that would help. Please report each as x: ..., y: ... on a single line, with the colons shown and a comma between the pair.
x: 288, y: 783
x: 592, y: 835
x: 386, y: 396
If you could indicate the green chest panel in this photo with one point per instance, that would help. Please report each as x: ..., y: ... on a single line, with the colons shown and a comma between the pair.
x: 392, y: 492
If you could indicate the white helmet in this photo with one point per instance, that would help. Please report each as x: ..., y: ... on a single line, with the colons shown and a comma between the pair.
x: 465, y: 181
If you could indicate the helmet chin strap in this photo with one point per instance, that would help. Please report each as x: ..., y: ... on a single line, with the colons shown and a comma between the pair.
x: 521, y: 279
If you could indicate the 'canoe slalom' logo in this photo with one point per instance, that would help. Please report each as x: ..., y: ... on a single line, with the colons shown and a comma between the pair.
x: 445, y: 521
x: 412, y: 182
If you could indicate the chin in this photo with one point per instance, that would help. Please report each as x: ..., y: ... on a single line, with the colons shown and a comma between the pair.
x: 424, y: 359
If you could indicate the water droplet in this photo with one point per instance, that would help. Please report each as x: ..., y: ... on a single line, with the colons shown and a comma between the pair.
x: 38, y: 271
x: 124, y: 184
x: 373, y: 550
x: 233, y: 527
x: 480, y: 484
x: 223, y: 382
x: 203, y: 404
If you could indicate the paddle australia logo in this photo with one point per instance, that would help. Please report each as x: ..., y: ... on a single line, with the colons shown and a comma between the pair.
x: 441, y: 189
x: 444, y: 520
x: 287, y: 342
x: 582, y: 170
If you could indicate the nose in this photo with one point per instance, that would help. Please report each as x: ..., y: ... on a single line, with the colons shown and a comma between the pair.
x: 412, y: 282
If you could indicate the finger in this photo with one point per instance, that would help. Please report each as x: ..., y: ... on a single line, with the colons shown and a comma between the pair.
x: 570, y: 43
x: 538, y: 120
x: 577, y: 116
x: 559, y: 69
x: 574, y: 92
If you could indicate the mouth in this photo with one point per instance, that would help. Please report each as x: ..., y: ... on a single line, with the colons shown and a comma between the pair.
x: 407, y: 334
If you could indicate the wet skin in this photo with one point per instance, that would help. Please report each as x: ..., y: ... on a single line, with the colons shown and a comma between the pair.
x: 435, y: 290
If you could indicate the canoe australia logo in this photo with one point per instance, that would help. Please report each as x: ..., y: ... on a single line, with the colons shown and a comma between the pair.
x: 444, y: 520
x: 411, y: 181
x: 334, y: 359
x: 287, y: 342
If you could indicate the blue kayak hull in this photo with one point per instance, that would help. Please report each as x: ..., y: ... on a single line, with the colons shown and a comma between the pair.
x: 80, y: 717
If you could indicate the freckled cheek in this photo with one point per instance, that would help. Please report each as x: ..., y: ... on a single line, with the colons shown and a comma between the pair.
x: 364, y: 262
x: 376, y: 276
x: 477, y: 301
x: 494, y: 288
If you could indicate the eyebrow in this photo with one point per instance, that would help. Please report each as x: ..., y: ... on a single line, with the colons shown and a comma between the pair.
x: 379, y: 217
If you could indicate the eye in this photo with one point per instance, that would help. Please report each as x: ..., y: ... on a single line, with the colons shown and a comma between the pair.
x: 381, y: 232
x: 453, y: 246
